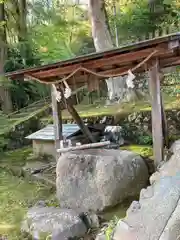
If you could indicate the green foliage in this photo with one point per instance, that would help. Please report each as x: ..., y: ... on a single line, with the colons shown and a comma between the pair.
x: 22, y: 92
x: 144, y: 139
x: 138, y: 20
x: 110, y: 228
x: 3, y: 143
x: 57, y: 33
x: 172, y: 83
x: 133, y: 133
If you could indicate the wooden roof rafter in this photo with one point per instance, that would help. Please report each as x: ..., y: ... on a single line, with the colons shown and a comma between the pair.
x: 115, y: 62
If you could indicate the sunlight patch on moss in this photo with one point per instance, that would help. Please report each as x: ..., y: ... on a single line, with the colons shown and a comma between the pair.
x: 145, y: 151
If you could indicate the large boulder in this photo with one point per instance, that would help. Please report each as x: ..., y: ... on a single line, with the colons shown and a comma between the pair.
x: 98, y: 178
x: 60, y: 224
x: 157, y: 214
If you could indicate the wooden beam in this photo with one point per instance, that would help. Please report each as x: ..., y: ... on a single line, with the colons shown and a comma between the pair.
x: 125, y: 58
x: 68, y: 104
x: 157, y: 127
x: 119, y: 59
x: 84, y: 146
x: 173, y: 44
x: 57, y: 121
x: 62, y: 70
x: 120, y: 70
x: 174, y: 61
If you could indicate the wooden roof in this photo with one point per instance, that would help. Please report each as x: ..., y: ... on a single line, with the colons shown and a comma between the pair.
x: 115, y: 62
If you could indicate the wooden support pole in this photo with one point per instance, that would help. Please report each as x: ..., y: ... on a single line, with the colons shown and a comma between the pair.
x: 76, y: 117
x: 157, y: 125
x: 164, y: 125
x: 57, y: 121
x: 164, y: 120
x: 78, y: 120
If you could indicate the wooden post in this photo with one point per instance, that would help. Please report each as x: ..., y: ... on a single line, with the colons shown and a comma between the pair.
x: 164, y: 120
x: 164, y: 126
x: 57, y: 121
x: 76, y: 117
x: 157, y: 128
x: 78, y: 120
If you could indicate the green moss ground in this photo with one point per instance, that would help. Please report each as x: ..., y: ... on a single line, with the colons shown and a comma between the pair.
x: 145, y: 151
x: 17, y: 194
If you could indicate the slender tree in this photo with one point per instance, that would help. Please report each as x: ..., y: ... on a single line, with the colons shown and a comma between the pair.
x: 21, y: 14
x: 5, y: 98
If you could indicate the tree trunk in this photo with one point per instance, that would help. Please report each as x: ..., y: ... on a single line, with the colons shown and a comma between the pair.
x: 100, y: 28
x: 5, y: 98
x: 22, y: 30
x: 117, y: 88
x: 23, y: 21
x: 20, y: 7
